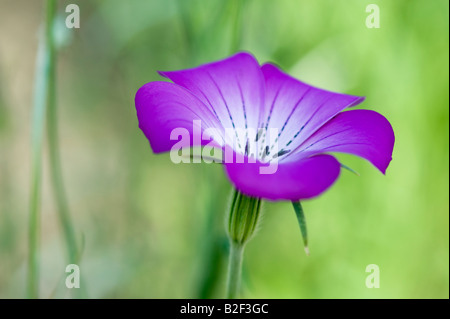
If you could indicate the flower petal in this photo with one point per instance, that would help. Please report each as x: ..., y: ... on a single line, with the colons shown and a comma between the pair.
x: 233, y: 89
x: 364, y: 133
x: 162, y: 107
x: 292, y: 181
x: 298, y: 109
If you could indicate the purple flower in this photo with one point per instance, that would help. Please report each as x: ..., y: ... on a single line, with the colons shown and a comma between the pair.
x: 240, y: 94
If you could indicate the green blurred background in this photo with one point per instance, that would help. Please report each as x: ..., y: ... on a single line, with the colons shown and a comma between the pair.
x: 153, y: 229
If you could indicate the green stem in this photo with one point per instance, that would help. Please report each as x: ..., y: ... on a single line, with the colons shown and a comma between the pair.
x: 44, y: 77
x: 234, y: 269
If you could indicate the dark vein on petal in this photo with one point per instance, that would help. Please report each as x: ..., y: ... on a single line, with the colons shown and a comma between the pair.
x: 188, y: 108
x: 226, y: 105
x: 243, y: 107
x: 323, y: 138
x: 268, y: 118
x: 324, y: 123
x: 293, y: 109
x: 290, y: 115
x: 342, y: 144
x: 331, y: 146
x: 212, y: 107
x: 309, y: 120
x: 273, y: 104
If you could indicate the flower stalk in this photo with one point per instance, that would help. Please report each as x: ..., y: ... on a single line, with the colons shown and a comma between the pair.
x: 234, y: 270
x: 242, y: 224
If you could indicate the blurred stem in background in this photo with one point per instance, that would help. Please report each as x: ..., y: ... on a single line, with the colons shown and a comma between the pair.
x: 43, y: 95
x: 215, y: 249
x: 45, y: 105
x: 73, y: 251
x: 236, y: 38
x: 189, y: 36
x: 236, y: 250
x: 214, y: 252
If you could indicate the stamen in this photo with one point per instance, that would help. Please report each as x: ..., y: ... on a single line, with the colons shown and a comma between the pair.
x: 281, y: 153
x: 258, y: 135
x: 265, y: 152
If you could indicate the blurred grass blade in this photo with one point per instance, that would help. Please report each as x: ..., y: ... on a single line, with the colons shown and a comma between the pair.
x: 44, y: 77
x: 302, y: 223
x: 55, y: 167
x: 56, y: 176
